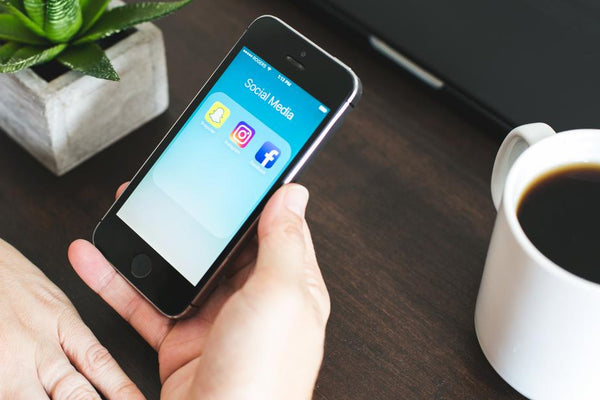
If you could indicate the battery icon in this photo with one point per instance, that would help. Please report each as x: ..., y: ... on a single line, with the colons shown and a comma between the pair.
x: 323, y: 109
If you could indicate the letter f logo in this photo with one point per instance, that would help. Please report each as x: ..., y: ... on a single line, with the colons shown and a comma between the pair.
x: 267, y: 155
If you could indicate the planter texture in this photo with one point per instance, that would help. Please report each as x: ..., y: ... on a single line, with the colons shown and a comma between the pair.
x: 64, y: 122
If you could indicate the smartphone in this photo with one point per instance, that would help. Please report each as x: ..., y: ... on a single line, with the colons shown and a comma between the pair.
x: 271, y: 103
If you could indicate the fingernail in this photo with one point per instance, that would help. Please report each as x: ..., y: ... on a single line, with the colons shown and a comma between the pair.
x: 296, y: 199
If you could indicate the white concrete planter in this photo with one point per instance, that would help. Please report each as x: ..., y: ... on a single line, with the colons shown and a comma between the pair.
x: 66, y: 121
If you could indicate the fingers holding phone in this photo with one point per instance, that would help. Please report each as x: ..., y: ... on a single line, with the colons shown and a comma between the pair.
x: 261, y: 332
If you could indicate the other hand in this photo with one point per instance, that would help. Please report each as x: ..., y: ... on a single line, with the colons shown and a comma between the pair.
x: 46, y: 351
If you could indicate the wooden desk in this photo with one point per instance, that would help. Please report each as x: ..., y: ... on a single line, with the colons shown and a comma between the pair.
x: 400, y: 210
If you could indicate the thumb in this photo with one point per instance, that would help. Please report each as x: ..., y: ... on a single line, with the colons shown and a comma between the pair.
x: 282, y: 246
x: 286, y: 257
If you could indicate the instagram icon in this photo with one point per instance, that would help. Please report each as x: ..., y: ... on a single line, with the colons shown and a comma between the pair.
x: 242, y: 134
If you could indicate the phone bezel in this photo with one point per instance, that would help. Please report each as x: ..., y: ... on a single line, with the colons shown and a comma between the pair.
x: 324, y: 77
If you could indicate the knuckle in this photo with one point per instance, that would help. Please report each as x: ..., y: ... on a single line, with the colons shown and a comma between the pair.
x: 128, y: 391
x: 316, y: 284
x: 130, y: 307
x: 67, y: 318
x: 289, y: 222
x: 291, y: 229
x: 50, y: 295
x: 288, y: 229
x: 293, y: 223
x: 72, y: 386
x: 318, y: 290
x: 81, y: 392
x: 97, y: 358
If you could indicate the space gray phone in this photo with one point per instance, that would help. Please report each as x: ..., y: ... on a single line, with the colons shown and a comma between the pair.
x: 250, y: 129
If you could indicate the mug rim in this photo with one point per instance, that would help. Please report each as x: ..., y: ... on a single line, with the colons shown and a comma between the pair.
x: 513, y: 222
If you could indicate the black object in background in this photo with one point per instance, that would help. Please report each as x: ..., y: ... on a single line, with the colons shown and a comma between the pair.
x: 518, y: 61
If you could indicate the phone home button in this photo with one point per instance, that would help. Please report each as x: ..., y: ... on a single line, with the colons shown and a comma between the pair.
x: 141, y: 266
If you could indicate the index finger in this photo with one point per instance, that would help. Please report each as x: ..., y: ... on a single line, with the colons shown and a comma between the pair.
x: 93, y: 360
x: 121, y: 189
x: 101, y: 277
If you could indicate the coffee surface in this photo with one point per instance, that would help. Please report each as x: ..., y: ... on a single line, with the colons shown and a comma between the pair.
x: 560, y: 214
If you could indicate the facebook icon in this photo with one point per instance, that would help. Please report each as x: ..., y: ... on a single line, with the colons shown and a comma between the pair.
x: 267, y: 155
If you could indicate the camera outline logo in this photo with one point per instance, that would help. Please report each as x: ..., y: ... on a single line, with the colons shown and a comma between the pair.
x: 242, y: 134
x: 217, y: 114
x: 267, y: 155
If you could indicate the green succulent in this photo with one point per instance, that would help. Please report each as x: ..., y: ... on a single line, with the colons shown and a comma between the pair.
x: 34, y: 32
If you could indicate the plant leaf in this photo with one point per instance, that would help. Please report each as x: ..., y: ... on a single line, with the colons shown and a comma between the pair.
x: 27, y: 56
x: 13, y: 7
x: 7, y: 50
x: 36, y: 10
x: 123, y: 17
x: 11, y: 29
x: 89, y: 59
x: 63, y: 19
x: 91, y: 10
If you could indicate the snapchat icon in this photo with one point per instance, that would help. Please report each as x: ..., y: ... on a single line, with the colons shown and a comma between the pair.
x: 217, y: 114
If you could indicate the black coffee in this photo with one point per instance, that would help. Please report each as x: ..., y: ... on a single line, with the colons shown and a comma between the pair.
x: 560, y: 214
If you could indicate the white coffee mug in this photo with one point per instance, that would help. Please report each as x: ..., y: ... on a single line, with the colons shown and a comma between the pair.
x: 537, y: 324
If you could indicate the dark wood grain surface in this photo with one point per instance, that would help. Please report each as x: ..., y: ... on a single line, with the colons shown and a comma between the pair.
x: 400, y: 209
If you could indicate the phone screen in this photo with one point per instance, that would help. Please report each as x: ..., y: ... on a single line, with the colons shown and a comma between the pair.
x: 220, y: 165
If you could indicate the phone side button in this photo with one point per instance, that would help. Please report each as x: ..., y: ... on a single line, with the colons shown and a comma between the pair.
x: 141, y: 266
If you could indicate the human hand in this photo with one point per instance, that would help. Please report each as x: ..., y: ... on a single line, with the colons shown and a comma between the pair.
x: 260, y: 335
x: 46, y: 351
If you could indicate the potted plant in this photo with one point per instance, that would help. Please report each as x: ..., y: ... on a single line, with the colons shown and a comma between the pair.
x: 75, y: 76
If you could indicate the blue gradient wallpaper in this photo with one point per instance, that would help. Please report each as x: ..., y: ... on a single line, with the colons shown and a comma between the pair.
x: 222, y: 162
